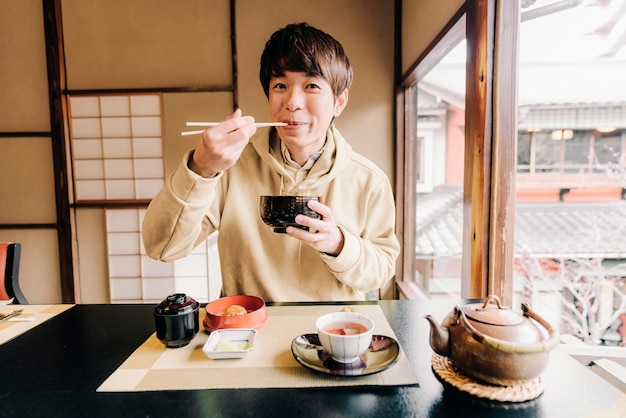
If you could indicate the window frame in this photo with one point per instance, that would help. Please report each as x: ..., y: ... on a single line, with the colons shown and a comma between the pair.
x: 490, y: 149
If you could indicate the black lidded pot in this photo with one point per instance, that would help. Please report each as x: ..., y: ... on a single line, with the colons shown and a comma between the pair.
x: 176, y: 320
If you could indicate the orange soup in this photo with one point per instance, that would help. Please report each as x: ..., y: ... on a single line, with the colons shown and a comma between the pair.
x: 345, y: 328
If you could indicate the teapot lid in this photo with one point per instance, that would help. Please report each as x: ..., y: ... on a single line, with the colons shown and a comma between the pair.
x: 176, y: 304
x: 492, y: 314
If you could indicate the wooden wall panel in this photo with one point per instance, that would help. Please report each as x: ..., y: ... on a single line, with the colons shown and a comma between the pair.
x: 26, y: 182
x: 24, y: 91
x: 92, y: 251
x: 147, y: 43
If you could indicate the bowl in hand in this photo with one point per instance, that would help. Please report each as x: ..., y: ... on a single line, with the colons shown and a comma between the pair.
x: 280, y: 211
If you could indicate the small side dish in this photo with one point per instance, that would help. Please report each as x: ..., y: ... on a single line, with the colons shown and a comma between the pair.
x: 229, y: 343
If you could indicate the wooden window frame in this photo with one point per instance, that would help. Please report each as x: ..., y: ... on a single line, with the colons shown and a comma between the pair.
x: 490, y: 148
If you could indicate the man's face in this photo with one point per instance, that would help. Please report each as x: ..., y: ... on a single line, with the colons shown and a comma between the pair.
x: 308, y: 105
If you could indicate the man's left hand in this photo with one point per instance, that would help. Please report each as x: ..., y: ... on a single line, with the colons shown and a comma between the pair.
x: 323, y: 234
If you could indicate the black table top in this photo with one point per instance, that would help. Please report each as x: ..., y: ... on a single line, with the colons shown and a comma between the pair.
x: 54, y: 370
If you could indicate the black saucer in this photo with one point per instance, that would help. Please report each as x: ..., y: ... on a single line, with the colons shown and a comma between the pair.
x: 383, y: 353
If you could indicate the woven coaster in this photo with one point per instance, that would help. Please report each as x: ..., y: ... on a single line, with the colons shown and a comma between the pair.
x: 524, y: 391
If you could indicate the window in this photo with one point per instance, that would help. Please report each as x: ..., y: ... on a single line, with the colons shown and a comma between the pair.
x: 571, y: 165
x: 434, y: 163
x: 570, y: 177
x: 459, y: 242
x: 116, y: 143
x: 136, y: 278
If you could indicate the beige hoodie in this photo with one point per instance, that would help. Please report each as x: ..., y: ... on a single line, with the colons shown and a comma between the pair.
x: 255, y: 260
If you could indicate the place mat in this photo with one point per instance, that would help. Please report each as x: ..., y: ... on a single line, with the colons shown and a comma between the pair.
x: 269, y: 365
x: 31, y: 316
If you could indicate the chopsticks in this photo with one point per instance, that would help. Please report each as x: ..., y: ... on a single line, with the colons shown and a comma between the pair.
x: 5, y: 316
x: 207, y: 124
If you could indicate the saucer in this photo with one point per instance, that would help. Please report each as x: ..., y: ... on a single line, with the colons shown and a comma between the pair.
x: 383, y: 353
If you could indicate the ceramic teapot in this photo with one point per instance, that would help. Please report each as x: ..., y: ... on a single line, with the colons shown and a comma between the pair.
x: 494, y: 344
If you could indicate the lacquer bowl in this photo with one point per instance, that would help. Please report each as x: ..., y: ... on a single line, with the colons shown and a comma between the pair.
x: 217, y: 316
x: 176, y: 320
x: 280, y: 212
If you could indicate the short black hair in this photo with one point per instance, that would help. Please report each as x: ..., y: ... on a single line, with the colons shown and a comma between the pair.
x: 300, y: 47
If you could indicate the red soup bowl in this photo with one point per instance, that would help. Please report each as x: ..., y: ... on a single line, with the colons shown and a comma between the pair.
x: 219, y: 316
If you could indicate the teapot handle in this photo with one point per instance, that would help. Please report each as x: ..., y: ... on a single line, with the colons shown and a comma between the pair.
x: 509, y: 346
x: 492, y: 298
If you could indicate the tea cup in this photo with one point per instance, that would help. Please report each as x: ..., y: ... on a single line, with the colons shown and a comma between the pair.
x: 345, y: 335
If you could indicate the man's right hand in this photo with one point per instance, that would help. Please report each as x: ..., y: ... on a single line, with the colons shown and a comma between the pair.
x: 221, y: 145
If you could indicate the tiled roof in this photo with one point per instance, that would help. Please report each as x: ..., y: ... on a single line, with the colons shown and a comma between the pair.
x: 439, y: 222
x: 560, y: 229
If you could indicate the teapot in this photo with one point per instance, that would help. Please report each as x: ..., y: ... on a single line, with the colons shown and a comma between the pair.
x: 494, y: 344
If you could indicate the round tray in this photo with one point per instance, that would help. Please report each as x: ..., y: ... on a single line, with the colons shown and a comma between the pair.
x: 522, y: 392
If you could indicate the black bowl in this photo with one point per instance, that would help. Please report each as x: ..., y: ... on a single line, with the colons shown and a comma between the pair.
x: 176, y: 320
x: 280, y: 211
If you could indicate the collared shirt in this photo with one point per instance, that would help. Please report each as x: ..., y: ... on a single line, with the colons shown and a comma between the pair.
x: 294, y: 169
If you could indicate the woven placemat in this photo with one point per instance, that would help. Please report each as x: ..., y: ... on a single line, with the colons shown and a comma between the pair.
x: 271, y: 364
x: 524, y: 391
x: 30, y: 317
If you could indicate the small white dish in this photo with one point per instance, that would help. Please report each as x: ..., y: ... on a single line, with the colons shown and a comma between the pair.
x: 229, y: 343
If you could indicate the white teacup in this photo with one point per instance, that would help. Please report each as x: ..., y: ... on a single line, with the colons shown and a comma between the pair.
x: 345, y: 335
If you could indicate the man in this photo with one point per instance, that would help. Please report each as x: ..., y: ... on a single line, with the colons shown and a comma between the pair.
x: 351, y: 250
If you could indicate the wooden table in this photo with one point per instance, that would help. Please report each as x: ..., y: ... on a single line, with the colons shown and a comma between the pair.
x: 55, y: 368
